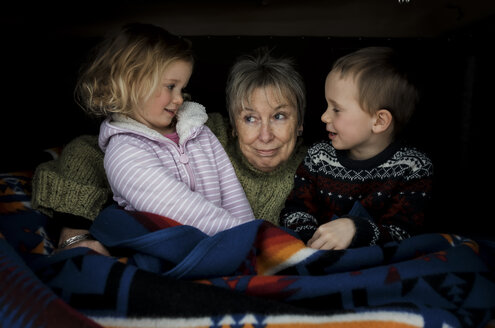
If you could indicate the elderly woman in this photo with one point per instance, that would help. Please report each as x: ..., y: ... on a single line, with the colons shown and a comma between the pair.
x: 265, y: 102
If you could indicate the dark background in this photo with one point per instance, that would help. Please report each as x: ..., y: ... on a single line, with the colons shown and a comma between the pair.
x: 449, y: 44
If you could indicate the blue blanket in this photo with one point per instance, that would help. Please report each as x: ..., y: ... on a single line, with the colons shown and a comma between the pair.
x: 257, y: 273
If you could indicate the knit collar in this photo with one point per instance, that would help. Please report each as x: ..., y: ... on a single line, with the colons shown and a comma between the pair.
x: 375, y: 161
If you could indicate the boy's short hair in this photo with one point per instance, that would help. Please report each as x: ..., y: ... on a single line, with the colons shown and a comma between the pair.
x: 382, y: 82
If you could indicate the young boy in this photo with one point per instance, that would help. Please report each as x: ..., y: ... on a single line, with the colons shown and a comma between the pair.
x: 363, y: 186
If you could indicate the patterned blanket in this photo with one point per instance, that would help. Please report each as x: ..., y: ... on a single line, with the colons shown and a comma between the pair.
x: 163, y: 274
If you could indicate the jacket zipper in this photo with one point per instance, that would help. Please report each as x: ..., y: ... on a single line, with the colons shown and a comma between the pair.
x: 184, y: 159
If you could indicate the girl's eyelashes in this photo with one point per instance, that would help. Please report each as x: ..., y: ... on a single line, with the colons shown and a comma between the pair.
x: 171, y: 87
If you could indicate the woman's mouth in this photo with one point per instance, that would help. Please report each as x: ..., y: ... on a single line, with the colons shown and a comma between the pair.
x: 266, y: 152
x: 331, y: 135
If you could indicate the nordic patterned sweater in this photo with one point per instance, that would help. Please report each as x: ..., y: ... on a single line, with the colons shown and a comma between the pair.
x: 394, y: 187
x: 192, y: 182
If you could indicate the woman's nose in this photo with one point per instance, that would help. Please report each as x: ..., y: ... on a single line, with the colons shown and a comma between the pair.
x: 266, y: 133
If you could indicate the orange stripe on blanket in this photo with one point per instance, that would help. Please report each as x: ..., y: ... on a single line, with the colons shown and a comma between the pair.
x: 275, y: 256
x: 362, y: 324
x: 448, y: 237
x: 275, y: 248
x: 468, y: 242
x: 270, y: 321
x: 355, y: 324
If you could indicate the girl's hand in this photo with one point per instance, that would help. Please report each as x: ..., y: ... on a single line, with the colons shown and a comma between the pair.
x: 95, y: 245
x: 336, y: 235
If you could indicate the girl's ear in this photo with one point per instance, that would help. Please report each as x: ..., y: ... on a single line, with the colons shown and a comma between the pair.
x: 383, y: 120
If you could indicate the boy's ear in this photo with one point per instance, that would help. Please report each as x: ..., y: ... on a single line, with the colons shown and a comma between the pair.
x: 383, y: 120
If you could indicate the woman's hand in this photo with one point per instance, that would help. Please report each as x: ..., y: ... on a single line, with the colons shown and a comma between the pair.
x: 336, y: 235
x: 95, y: 245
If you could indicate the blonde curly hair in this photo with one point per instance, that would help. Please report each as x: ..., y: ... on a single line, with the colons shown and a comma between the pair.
x: 127, y: 68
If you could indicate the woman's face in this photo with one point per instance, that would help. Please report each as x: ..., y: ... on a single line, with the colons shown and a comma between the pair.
x: 267, y: 129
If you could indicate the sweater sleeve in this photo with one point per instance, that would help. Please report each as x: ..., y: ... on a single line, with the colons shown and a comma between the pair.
x: 404, y: 211
x: 140, y: 181
x: 299, y: 213
x: 74, y: 184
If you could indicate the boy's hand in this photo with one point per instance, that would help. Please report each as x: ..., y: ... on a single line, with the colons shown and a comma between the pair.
x: 336, y: 234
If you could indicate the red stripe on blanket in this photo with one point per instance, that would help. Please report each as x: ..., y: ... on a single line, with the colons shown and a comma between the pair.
x: 154, y: 222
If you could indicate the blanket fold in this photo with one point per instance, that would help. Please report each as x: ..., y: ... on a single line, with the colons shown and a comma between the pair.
x: 258, y: 274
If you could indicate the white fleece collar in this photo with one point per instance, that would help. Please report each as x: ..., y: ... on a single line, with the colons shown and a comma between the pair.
x: 190, y: 116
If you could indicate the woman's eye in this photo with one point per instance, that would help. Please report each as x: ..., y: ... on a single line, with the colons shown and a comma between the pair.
x: 170, y: 86
x: 279, y: 116
x: 336, y: 110
x: 249, y: 119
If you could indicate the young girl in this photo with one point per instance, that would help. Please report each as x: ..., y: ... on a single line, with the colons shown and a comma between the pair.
x: 159, y: 155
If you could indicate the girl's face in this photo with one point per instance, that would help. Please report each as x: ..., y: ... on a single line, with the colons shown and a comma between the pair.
x: 348, y: 125
x: 267, y: 129
x: 159, y: 110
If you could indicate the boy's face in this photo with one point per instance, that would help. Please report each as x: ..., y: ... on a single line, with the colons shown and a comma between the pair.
x: 348, y: 125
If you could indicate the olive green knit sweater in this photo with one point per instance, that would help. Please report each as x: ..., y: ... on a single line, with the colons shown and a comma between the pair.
x: 76, y: 183
x: 266, y: 192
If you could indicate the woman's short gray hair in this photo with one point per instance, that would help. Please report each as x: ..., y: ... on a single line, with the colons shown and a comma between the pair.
x: 261, y: 70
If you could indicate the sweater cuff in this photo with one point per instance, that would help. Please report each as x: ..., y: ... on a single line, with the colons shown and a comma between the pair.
x: 367, y: 233
x: 65, y: 220
x: 302, y: 223
x: 56, y: 194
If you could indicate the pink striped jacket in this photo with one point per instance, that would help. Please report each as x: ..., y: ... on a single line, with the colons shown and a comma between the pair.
x: 193, y: 183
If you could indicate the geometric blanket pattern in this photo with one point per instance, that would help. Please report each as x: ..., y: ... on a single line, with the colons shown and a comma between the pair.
x: 165, y: 274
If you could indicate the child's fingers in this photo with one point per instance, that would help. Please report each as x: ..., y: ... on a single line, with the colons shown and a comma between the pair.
x: 321, y: 242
